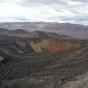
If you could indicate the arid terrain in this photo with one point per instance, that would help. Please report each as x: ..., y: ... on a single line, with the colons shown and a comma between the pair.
x: 43, y: 58
x: 73, y: 30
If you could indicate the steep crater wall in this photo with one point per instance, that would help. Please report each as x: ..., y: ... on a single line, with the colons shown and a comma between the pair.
x: 48, y: 46
x: 52, y: 46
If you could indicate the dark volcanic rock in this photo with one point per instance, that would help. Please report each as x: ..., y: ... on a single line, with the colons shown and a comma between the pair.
x: 45, y: 61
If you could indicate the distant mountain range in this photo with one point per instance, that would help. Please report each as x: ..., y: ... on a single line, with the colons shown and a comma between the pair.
x: 21, y: 33
x: 73, y: 30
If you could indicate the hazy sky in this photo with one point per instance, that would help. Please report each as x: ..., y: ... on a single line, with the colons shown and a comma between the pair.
x: 73, y: 11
